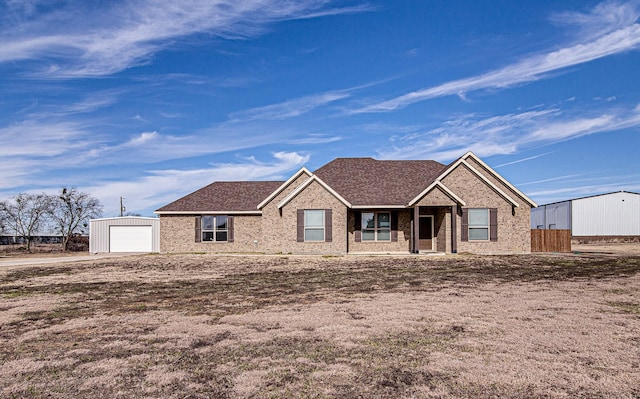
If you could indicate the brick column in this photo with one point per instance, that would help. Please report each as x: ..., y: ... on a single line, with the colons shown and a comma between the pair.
x: 454, y: 241
x: 416, y: 228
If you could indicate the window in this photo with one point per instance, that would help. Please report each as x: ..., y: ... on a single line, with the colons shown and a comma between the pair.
x: 376, y: 226
x: 314, y: 225
x: 215, y: 228
x: 478, y: 224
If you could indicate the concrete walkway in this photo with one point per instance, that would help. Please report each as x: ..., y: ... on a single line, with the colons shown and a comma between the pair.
x: 21, y: 261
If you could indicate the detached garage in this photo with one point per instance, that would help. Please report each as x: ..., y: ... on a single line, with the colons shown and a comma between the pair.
x: 598, y: 217
x: 124, y: 234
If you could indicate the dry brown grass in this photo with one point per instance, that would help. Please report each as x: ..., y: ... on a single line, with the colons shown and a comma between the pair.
x: 199, y: 326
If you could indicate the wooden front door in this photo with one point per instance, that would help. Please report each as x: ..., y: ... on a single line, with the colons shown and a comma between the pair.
x: 425, y: 237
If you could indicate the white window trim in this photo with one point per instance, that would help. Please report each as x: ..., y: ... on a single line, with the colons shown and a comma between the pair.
x: 323, y: 228
x: 488, y: 226
x: 376, y: 229
x: 215, y: 229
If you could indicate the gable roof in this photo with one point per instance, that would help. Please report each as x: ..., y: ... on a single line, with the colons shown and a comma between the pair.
x: 463, y: 160
x: 370, y: 182
x: 306, y: 184
x: 359, y: 183
x: 284, y: 185
x: 223, y: 197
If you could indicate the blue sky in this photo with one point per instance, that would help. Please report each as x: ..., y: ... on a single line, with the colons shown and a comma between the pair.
x: 151, y: 100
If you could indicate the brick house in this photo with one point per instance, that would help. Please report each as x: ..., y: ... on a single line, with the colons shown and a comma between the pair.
x: 356, y: 205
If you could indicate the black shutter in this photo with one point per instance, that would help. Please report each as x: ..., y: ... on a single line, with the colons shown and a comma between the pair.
x: 357, y: 227
x: 230, y: 228
x: 394, y: 226
x: 198, y: 229
x: 464, y: 228
x: 493, y: 224
x: 300, y: 225
x: 328, y: 225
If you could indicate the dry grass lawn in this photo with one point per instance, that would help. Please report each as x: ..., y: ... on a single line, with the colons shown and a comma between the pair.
x: 201, y: 326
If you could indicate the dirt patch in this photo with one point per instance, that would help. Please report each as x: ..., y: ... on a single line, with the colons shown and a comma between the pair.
x: 199, y: 326
x: 610, y: 248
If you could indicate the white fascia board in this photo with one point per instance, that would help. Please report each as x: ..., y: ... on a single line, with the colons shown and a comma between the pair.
x: 441, y: 186
x: 378, y: 207
x: 304, y: 185
x: 123, y: 217
x: 502, y: 179
x: 490, y: 184
x: 230, y: 213
x: 463, y: 158
x: 284, y: 185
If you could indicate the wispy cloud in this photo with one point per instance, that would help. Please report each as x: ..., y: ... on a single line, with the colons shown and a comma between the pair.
x: 607, y: 185
x: 160, y: 187
x: 315, y: 138
x: 35, y: 139
x: 523, y: 159
x: 81, y: 40
x: 506, y: 134
x: 609, y: 29
x: 557, y: 178
x: 291, y: 108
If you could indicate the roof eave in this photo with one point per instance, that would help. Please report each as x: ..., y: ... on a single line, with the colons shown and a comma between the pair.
x: 208, y: 212
x: 442, y: 187
x: 283, y: 186
x: 304, y: 185
x: 462, y: 160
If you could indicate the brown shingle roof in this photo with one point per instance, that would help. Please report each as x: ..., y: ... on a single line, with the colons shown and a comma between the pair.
x: 366, y: 181
x: 224, y: 197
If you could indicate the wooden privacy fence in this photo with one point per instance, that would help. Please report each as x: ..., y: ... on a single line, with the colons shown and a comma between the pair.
x: 550, y: 240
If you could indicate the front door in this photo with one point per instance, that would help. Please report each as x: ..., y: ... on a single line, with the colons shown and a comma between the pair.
x: 425, y: 237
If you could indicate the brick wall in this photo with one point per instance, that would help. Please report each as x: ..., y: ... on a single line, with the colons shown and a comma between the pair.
x: 313, y: 197
x: 272, y: 222
x: 438, y: 204
x: 275, y: 231
x: 404, y: 235
x: 514, y: 234
x: 177, y: 234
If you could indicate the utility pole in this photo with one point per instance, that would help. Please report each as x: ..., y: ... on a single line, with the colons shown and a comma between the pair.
x: 122, y: 208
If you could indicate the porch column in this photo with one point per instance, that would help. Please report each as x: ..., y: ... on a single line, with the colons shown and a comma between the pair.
x: 416, y: 228
x: 454, y: 241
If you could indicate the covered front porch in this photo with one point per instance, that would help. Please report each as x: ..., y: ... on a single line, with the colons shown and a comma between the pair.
x: 433, y: 229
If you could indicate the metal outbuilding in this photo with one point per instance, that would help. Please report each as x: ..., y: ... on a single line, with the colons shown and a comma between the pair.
x: 606, y: 215
x: 124, y: 234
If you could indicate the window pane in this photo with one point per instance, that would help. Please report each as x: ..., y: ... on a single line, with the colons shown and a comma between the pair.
x: 207, y: 236
x: 368, y: 221
x: 384, y: 235
x: 478, y: 234
x: 314, y: 234
x: 384, y: 220
x: 478, y: 217
x: 207, y: 223
x: 314, y: 218
x: 368, y: 235
x: 221, y: 222
x: 221, y: 236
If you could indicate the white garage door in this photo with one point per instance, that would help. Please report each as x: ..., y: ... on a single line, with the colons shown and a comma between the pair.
x: 130, y: 239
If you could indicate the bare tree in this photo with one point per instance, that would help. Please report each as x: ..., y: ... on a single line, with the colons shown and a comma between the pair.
x: 24, y: 214
x: 3, y: 220
x: 72, y: 211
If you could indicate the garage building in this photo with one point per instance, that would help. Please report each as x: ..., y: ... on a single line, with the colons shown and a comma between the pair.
x: 612, y: 215
x: 124, y: 234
